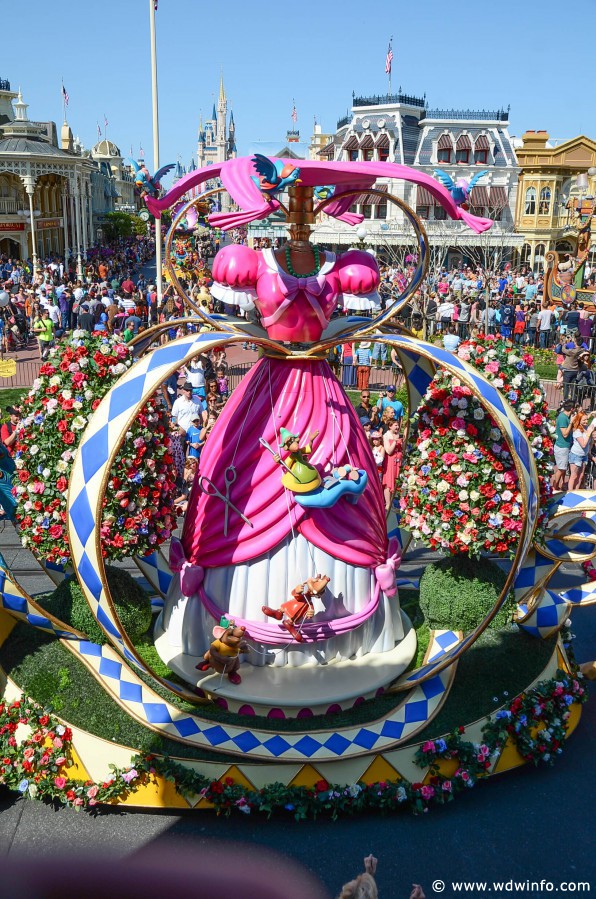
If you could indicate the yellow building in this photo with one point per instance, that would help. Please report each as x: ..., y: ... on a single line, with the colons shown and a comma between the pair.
x: 552, y: 180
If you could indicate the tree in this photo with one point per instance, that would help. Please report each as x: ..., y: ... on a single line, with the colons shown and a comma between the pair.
x: 122, y: 224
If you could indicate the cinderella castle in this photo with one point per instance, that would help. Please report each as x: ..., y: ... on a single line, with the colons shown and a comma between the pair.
x: 217, y: 138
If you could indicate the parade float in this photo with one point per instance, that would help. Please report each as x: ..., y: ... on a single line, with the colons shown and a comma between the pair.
x: 564, y: 278
x: 295, y: 665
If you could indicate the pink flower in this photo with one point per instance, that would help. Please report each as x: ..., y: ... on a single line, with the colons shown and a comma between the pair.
x: 57, y: 743
x: 130, y: 775
x: 492, y: 367
x: 427, y: 792
x: 93, y: 791
x: 61, y: 760
x: 449, y: 458
x: 447, y: 786
x: 458, y: 424
x: 60, y: 782
x: 429, y: 746
x: 470, y: 457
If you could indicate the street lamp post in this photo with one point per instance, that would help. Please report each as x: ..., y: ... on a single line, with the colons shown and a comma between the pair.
x: 30, y: 215
x: 152, y: 6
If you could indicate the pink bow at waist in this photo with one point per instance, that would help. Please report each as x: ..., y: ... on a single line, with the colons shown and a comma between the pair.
x: 191, y: 576
x: 310, y: 288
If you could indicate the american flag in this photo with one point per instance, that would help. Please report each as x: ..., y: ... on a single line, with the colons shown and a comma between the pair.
x: 388, y: 60
x: 141, y: 152
x: 294, y: 114
x: 65, y: 95
x: 105, y: 121
x: 98, y: 131
x: 155, y: 5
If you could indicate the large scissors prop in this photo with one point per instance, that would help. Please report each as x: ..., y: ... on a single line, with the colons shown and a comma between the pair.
x: 209, y: 488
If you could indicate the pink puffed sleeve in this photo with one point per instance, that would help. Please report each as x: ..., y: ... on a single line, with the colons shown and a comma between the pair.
x: 234, y: 272
x: 359, y: 280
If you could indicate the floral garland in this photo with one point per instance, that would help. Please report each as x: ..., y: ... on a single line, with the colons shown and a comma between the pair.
x: 460, y: 488
x: 138, y: 512
x: 37, y: 765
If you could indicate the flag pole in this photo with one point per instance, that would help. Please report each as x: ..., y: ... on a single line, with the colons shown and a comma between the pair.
x: 63, y: 101
x: 390, y: 54
x: 158, y: 284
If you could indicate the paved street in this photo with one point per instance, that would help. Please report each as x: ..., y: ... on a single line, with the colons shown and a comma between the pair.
x: 529, y: 824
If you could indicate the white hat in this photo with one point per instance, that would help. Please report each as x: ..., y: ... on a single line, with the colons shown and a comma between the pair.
x: 365, y: 345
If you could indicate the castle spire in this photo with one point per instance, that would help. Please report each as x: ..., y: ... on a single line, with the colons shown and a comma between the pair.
x: 222, y: 93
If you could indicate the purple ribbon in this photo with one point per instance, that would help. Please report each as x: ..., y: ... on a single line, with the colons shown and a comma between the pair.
x: 191, y: 576
x: 385, y: 574
x: 312, y: 285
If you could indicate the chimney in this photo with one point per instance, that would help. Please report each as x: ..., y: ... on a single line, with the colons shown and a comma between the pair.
x: 535, y: 140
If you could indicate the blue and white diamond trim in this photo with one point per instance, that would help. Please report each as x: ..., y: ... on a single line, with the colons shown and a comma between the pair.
x: 19, y: 605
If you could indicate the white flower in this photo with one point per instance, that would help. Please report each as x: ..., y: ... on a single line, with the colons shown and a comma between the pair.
x: 462, y: 403
x: 525, y: 408
x: 78, y: 334
x: 478, y: 414
x: 77, y: 405
x: 19, y: 463
x: 67, y: 394
x: 445, y: 526
x: 104, y: 350
x: 465, y: 537
x: 495, y: 434
x: 498, y: 382
x: 461, y: 433
x: 78, y: 422
x: 55, y: 380
x: 456, y: 467
x: 443, y: 486
x: 66, y: 455
x: 34, y: 449
x: 56, y: 514
x: 89, y: 395
x: 517, y: 381
x: 463, y: 495
x: 28, y: 506
x: 499, y: 478
x: 492, y: 353
x: 46, y: 473
x: 474, y: 495
x: 83, y: 362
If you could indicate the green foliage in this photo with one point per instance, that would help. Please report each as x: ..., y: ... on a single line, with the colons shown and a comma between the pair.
x: 458, y: 592
x: 121, y: 224
x: 10, y: 396
x: 133, y: 605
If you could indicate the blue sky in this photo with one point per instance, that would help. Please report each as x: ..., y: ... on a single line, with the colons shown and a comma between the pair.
x: 465, y: 55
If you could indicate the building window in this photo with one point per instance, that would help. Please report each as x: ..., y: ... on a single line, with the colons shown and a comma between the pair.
x: 367, y: 155
x: 444, y: 155
x: 480, y: 157
x: 354, y: 208
x: 382, y: 211
x: 383, y: 154
x: 462, y: 156
x: 539, y: 254
x: 530, y: 208
x: 440, y: 214
x: 367, y: 210
x: 423, y: 212
x: 526, y: 252
x: 544, y: 206
x: 353, y: 155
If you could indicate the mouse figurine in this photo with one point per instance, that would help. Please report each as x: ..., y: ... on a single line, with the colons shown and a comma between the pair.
x: 224, y: 653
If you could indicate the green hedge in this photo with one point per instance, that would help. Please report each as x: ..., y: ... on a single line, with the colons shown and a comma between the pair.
x: 457, y: 593
x: 133, y: 606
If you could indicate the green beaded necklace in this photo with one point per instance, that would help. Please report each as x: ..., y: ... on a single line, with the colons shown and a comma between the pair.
x: 290, y: 267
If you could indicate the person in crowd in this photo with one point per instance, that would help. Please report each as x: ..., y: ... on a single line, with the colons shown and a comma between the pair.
x: 347, y: 365
x: 193, y: 436
x: 222, y: 383
x: 545, y: 320
x: 583, y: 426
x: 390, y: 401
x: 451, y: 340
x: 562, y: 445
x: 365, y: 408
x: 185, y: 408
x: 392, y: 444
x: 363, y: 361
x: 10, y: 429
x: 573, y: 352
x: 44, y: 331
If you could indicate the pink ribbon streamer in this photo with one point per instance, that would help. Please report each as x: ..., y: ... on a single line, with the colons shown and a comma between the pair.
x: 385, y: 574
x: 312, y: 631
x: 191, y: 576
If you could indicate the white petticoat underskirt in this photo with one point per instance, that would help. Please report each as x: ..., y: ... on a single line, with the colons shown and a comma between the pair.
x: 240, y: 591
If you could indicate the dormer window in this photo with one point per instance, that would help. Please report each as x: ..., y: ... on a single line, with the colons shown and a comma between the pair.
x: 481, y: 150
x: 462, y: 149
x: 444, y: 149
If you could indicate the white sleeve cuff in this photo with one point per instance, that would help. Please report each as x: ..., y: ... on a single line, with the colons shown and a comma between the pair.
x: 242, y: 298
x: 364, y: 302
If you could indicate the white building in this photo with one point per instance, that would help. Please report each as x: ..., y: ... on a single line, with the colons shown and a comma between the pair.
x: 402, y: 129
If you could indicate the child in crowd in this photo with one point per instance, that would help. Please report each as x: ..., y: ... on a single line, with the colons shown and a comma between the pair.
x: 378, y: 451
x: 222, y: 383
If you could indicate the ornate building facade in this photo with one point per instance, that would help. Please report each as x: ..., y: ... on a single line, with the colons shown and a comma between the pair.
x: 552, y: 181
x: 403, y: 129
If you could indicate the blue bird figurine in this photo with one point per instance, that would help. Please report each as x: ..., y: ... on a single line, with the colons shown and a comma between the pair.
x: 325, y: 191
x: 149, y: 185
x: 274, y: 176
x: 461, y: 189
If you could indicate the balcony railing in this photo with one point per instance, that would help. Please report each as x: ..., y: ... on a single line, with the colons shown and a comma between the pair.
x: 384, y: 99
x: 343, y: 121
x: 8, y: 205
x: 4, y: 84
x: 483, y: 115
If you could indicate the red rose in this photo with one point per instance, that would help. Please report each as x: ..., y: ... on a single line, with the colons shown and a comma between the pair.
x: 61, y: 484
x: 56, y: 531
x: 62, y: 425
x: 69, y: 438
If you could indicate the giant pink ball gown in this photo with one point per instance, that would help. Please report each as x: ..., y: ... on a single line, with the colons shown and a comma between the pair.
x: 260, y: 565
